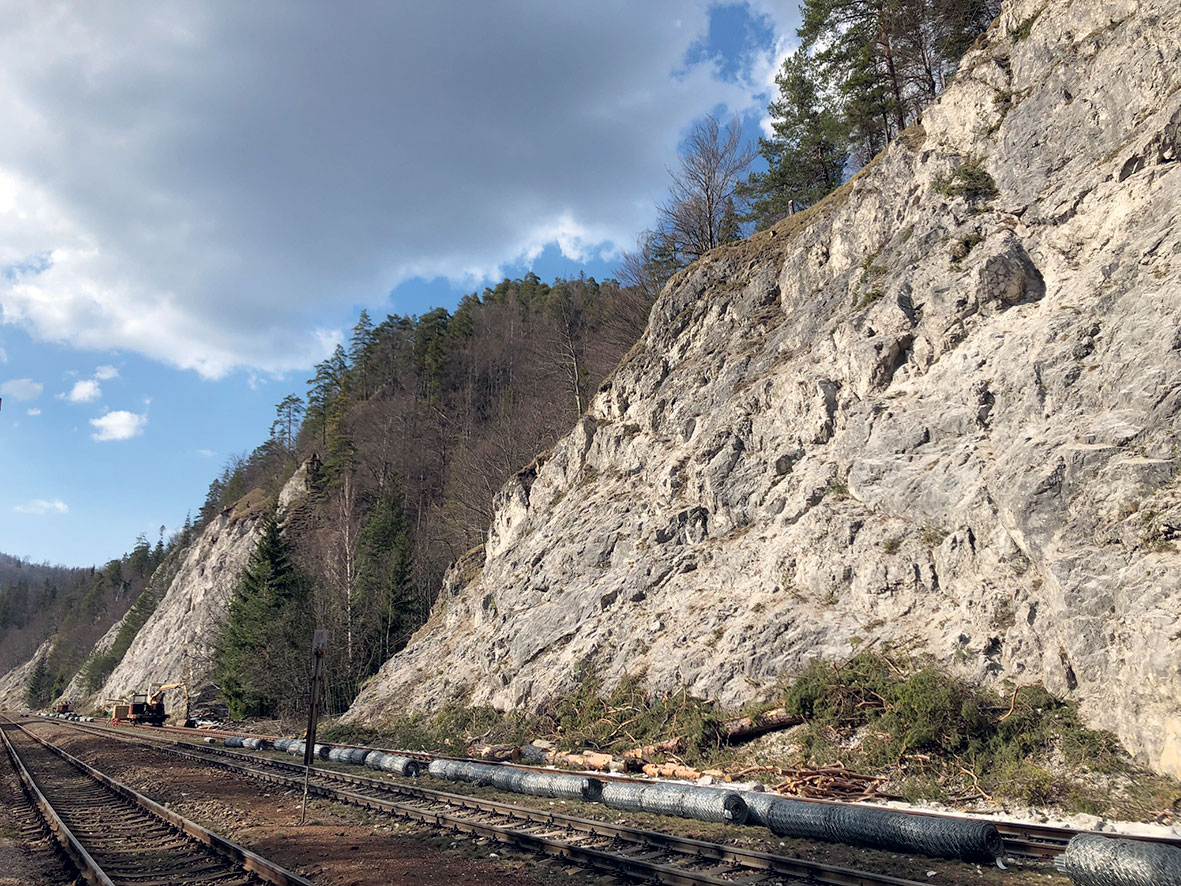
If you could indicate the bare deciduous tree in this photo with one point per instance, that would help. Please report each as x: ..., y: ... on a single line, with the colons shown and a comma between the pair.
x: 699, y: 213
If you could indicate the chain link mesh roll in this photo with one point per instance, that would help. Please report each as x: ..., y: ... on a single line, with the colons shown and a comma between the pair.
x: 233, y: 741
x: 682, y: 800
x: 296, y: 748
x: 1091, y: 860
x: 373, y: 759
x: 758, y: 807
x: 281, y: 744
x: 336, y: 755
x: 623, y: 795
x: 400, y: 765
x: 962, y: 838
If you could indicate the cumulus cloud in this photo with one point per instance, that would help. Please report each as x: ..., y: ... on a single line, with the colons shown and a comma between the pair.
x: 211, y: 185
x: 22, y: 389
x: 34, y: 411
x: 86, y: 391
x: 3, y: 355
x: 118, y: 424
x: 39, y: 507
x: 106, y: 373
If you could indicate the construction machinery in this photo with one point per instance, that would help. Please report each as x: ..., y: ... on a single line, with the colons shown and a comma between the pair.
x: 65, y: 706
x: 147, y: 707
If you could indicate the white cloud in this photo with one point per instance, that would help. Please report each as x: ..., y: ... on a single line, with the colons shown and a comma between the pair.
x: 3, y: 355
x: 211, y: 185
x: 22, y: 389
x: 34, y: 411
x: 106, y: 373
x: 206, y: 453
x: 86, y: 391
x: 39, y: 507
x: 118, y: 425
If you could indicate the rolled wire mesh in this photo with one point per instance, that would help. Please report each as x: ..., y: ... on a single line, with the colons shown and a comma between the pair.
x: 337, y: 755
x: 321, y: 751
x: 281, y: 744
x: 1091, y: 860
x: 623, y: 795
x: 296, y: 747
x: 963, y: 838
x: 401, y: 765
x: 356, y: 756
x: 233, y: 741
x: 373, y: 759
x: 758, y: 807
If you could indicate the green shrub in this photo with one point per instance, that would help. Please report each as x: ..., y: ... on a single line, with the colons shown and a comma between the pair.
x: 971, y: 181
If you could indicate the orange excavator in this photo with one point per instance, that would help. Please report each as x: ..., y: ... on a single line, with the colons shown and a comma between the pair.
x: 147, y: 707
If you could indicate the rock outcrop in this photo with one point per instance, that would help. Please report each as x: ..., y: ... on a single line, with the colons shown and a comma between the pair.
x: 177, y: 641
x: 940, y: 408
x: 14, y: 683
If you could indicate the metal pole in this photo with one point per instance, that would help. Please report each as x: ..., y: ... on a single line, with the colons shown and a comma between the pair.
x: 319, y: 645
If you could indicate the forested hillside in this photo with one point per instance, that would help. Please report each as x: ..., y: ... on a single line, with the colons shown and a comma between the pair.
x: 74, y: 606
x: 407, y: 433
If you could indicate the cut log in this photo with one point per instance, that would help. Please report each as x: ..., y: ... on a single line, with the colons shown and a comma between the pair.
x: 742, y: 728
x: 495, y: 752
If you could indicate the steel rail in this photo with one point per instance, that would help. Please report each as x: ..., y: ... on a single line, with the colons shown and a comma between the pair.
x: 534, y: 828
x: 239, y: 856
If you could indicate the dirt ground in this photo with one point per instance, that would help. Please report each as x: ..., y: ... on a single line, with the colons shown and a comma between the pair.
x: 338, y: 846
x: 347, y: 846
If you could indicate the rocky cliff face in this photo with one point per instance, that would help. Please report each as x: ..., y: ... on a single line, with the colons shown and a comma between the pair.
x: 941, y: 408
x: 13, y: 683
x: 176, y: 643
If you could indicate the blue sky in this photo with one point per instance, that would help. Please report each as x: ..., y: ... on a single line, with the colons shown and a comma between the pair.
x: 196, y: 203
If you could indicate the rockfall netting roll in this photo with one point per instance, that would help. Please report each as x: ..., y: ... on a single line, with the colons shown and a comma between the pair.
x: 963, y: 838
x: 255, y: 744
x: 357, y: 756
x: 281, y: 744
x: 296, y: 747
x: 683, y: 800
x: 400, y: 765
x: 1091, y: 860
x: 557, y: 785
x: 233, y: 741
x: 338, y: 755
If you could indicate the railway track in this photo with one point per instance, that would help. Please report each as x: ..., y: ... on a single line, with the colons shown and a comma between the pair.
x: 117, y: 837
x: 1022, y: 840
x: 633, y: 853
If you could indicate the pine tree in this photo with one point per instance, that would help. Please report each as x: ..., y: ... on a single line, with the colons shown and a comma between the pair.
x: 806, y: 156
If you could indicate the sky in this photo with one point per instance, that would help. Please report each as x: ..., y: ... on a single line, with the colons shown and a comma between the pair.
x: 197, y: 199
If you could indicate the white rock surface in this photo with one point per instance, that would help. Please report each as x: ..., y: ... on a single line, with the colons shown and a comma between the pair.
x: 839, y: 431
x: 12, y: 684
x: 176, y: 642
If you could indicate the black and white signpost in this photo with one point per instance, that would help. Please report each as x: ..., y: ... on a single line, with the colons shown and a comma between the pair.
x: 319, y: 647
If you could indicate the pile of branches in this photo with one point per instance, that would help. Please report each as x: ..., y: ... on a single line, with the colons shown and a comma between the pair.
x: 832, y: 782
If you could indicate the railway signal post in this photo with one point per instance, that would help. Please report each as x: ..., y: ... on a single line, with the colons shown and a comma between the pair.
x: 319, y: 647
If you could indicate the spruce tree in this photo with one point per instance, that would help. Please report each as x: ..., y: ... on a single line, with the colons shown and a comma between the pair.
x: 257, y: 659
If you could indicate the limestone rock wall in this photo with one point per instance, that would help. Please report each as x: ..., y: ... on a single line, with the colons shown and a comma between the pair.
x: 13, y: 683
x: 177, y: 641
x: 912, y: 413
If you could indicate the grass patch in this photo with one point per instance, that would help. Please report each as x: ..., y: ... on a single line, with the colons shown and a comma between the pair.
x: 971, y: 181
x: 1025, y: 28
